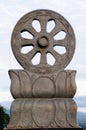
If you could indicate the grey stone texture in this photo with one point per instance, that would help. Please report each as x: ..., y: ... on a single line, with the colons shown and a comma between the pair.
x: 43, y: 113
x: 43, y: 94
x: 27, y: 85
x: 39, y: 38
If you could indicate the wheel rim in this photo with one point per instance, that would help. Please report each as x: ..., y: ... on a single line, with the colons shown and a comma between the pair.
x: 43, y: 42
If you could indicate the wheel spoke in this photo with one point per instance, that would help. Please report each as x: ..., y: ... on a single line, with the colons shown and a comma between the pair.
x: 60, y: 42
x: 43, y: 59
x: 25, y: 42
x: 31, y: 30
x: 57, y: 29
x: 31, y: 54
x: 43, y: 22
x: 55, y: 54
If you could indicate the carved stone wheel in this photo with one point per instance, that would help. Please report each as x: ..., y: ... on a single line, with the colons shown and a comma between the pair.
x: 53, y: 31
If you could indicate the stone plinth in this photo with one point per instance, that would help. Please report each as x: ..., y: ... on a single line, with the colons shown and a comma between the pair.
x: 43, y: 92
x: 42, y: 101
x: 45, y: 113
x: 28, y: 85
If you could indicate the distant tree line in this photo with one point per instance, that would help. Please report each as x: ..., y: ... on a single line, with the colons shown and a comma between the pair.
x: 4, y: 118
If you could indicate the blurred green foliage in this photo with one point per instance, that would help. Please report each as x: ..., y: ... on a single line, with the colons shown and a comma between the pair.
x: 4, y: 118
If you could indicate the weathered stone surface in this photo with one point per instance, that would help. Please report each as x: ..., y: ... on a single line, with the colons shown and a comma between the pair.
x: 43, y: 41
x: 42, y: 89
x: 65, y: 84
x: 43, y: 92
x: 25, y: 85
x: 41, y: 113
x: 21, y: 85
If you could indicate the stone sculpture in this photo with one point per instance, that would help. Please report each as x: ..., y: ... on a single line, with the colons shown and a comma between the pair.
x: 43, y: 93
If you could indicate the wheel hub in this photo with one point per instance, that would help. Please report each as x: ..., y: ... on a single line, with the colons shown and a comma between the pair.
x: 43, y: 42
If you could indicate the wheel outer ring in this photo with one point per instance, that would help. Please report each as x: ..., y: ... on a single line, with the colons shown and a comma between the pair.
x: 22, y: 59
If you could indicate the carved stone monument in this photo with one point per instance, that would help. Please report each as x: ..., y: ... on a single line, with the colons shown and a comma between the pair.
x: 43, y: 92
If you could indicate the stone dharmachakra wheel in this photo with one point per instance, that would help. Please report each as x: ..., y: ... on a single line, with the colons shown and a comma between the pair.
x: 43, y: 41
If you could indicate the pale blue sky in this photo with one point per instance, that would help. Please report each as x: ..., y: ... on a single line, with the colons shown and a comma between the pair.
x: 12, y: 10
